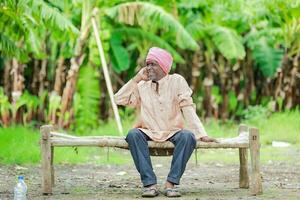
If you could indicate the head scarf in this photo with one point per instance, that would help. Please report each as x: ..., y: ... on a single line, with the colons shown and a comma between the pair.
x: 162, y: 57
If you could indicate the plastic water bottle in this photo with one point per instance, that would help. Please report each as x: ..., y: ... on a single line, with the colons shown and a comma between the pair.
x: 20, y: 189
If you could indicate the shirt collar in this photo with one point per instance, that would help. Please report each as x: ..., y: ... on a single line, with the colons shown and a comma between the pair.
x: 164, y: 79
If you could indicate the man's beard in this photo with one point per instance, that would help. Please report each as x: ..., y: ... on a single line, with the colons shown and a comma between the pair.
x: 153, y: 77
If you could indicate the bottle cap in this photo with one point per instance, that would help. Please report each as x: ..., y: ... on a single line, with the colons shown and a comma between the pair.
x: 20, y: 177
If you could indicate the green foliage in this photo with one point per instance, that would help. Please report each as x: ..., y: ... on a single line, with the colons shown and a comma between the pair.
x: 127, y: 114
x: 225, y: 39
x: 215, y: 92
x: 32, y: 101
x: 139, y: 37
x: 28, y: 22
x: 119, y: 54
x: 52, y: 16
x: 267, y: 58
x: 54, y: 104
x: 94, y: 56
x: 8, y: 47
x: 4, y: 103
x: 148, y: 15
x: 16, y: 106
x: 256, y: 112
x: 228, y: 42
x: 265, y: 42
x: 233, y: 101
x: 86, y: 102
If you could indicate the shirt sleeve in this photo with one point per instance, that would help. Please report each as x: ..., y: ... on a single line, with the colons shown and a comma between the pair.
x: 193, y: 122
x: 184, y: 95
x: 128, y: 95
x: 187, y: 106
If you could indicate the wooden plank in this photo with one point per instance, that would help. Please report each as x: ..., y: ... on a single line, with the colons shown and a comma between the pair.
x: 121, y: 143
x: 46, y: 153
x: 52, y: 167
x: 243, y: 156
x: 244, y: 176
x: 256, y: 184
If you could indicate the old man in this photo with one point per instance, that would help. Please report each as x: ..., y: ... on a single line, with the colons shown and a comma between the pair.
x: 164, y: 101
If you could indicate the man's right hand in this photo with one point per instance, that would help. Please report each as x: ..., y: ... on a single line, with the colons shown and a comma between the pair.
x: 142, y: 75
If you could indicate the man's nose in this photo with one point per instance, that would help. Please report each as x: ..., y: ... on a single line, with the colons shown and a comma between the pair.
x: 148, y: 67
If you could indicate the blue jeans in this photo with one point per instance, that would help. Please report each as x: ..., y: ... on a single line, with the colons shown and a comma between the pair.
x: 184, y: 142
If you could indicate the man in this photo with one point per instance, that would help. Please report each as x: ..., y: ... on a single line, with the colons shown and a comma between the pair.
x: 161, y: 98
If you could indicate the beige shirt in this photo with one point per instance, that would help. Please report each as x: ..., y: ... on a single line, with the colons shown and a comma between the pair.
x: 162, y: 112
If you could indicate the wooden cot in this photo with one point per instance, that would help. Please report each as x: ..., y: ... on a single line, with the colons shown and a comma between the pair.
x: 248, y: 138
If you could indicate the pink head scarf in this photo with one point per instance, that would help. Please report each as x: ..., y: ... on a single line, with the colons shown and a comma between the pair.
x: 162, y: 57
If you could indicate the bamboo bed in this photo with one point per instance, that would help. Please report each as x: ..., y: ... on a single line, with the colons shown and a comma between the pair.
x: 247, y: 138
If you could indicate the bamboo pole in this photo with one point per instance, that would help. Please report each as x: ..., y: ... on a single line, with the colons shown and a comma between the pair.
x: 105, y: 71
x: 57, y: 135
x: 121, y: 143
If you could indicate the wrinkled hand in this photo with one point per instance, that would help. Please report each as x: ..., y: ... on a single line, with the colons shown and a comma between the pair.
x: 141, y: 75
x: 208, y: 139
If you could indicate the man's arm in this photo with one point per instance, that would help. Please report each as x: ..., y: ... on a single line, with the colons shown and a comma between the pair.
x: 193, y: 122
x: 189, y: 112
x: 129, y: 95
x: 195, y: 125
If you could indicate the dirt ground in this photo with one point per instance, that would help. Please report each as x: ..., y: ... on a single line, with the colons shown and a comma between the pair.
x: 203, y: 181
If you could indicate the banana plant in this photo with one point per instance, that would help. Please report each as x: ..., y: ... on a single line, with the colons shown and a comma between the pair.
x: 151, y: 18
x: 5, y: 109
x: 31, y: 106
x: 76, y: 61
x: 142, y: 22
x: 86, y: 99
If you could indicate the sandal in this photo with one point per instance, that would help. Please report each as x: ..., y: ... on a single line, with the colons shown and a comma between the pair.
x: 149, y: 192
x: 172, y: 192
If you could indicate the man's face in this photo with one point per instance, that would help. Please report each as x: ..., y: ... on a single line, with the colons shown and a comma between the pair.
x: 155, y: 72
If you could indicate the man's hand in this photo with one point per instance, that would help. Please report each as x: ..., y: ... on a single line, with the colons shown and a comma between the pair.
x: 141, y: 75
x: 208, y: 139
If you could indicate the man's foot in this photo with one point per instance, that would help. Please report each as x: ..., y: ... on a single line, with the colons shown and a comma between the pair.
x: 150, y: 191
x: 169, y: 184
x: 170, y: 190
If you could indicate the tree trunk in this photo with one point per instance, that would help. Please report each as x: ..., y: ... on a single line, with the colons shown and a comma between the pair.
x: 249, y: 78
x: 223, y: 70
x: 59, y: 76
x: 104, y: 108
x: 18, y: 79
x: 35, y: 77
x: 76, y: 61
x: 42, y: 76
x: 196, y: 65
x: 18, y: 85
x: 296, y: 81
x: 208, y: 82
x: 7, y: 78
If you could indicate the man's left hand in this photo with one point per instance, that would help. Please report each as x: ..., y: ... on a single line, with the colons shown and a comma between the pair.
x: 208, y: 139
